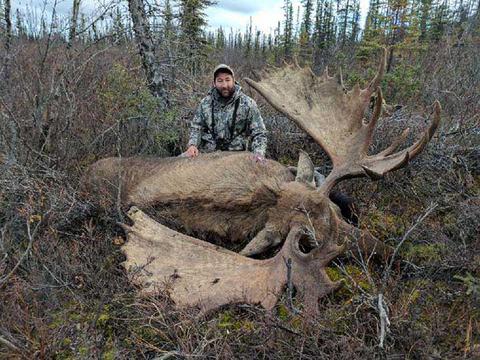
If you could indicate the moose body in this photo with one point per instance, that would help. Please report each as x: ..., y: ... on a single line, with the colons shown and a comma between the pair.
x: 228, y: 195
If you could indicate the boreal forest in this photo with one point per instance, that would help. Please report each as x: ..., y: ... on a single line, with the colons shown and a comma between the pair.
x: 125, y: 79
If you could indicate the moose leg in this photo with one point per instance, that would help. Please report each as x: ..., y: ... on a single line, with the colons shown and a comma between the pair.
x: 263, y: 241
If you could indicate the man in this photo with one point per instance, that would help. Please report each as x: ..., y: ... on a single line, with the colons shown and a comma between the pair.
x: 227, y: 119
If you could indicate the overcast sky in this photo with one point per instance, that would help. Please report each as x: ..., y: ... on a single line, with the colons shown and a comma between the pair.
x: 265, y: 14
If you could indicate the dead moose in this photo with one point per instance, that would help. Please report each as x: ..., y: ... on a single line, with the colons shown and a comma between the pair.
x: 232, y: 196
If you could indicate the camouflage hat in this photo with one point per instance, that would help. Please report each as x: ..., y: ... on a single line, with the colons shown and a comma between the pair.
x: 222, y: 67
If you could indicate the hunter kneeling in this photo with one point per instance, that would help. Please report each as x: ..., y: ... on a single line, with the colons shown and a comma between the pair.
x: 227, y: 119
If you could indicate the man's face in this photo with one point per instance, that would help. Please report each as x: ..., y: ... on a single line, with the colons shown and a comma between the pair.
x: 225, y: 84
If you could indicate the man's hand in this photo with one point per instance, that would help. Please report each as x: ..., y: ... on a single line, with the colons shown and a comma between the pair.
x: 259, y: 158
x: 191, y: 152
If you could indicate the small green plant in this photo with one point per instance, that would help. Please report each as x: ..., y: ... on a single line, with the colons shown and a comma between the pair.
x: 473, y: 284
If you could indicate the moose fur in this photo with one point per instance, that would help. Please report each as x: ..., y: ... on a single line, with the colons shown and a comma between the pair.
x: 226, y: 195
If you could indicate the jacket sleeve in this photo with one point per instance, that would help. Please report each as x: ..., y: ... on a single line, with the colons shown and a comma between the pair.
x: 257, y: 130
x: 197, y: 126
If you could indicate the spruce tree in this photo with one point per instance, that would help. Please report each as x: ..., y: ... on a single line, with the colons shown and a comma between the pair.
x: 305, y: 52
x: 21, y: 32
x: 192, y: 22
x: 256, y: 44
x: 288, y: 30
x: 307, y: 17
x: 220, y: 40
x: 248, y: 38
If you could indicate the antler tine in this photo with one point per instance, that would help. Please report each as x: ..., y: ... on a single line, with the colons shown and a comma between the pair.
x: 417, y: 148
x: 374, y: 120
x: 394, y: 146
x: 378, y: 78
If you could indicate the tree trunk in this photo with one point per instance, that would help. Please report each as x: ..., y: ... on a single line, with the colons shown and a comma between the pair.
x: 156, y: 81
x: 13, y: 151
x: 73, y: 22
x: 8, y: 31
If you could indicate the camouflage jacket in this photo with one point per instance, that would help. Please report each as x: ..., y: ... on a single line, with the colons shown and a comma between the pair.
x: 210, y: 133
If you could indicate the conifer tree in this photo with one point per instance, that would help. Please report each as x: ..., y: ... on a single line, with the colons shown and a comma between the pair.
x: 168, y: 27
x: 355, y: 22
x: 344, y: 10
x: 220, y: 40
x: 256, y: 44
x: 248, y: 38
x: 425, y: 8
x: 192, y: 22
x: 305, y: 52
x: 21, y: 32
x: 288, y: 30
x: 441, y: 17
x: 156, y: 80
x: 118, y: 26
x: 307, y: 17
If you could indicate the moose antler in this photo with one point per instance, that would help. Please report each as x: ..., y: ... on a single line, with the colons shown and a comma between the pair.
x: 334, y: 118
x: 197, y: 273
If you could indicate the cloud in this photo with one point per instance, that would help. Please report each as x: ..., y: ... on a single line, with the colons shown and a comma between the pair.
x: 246, y: 7
x: 234, y: 14
x: 62, y: 7
x: 265, y: 16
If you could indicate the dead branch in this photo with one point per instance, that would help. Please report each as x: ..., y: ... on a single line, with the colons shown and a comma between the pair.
x: 9, y: 345
x: 388, y: 271
x: 31, y: 237
x: 384, y: 321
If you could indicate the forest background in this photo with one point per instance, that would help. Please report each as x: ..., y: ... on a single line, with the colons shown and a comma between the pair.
x: 77, y: 88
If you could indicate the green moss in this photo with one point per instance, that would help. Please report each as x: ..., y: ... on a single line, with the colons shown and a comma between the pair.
x: 109, y: 355
x: 64, y: 355
x: 103, y: 319
x: 226, y: 320
x: 58, y: 318
x: 147, y: 334
x: 297, y: 322
x: 355, y: 274
x: 382, y: 225
x: 338, y: 320
x: 282, y: 312
x: 246, y: 325
x: 422, y: 253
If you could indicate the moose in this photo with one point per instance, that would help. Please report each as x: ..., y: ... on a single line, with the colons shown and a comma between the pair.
x: 232, y: 196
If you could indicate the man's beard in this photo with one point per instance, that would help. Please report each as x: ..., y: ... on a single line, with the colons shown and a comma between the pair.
x: 226, y: 93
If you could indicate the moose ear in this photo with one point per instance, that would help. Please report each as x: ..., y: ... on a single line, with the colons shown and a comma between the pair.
x: 305, y: 168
